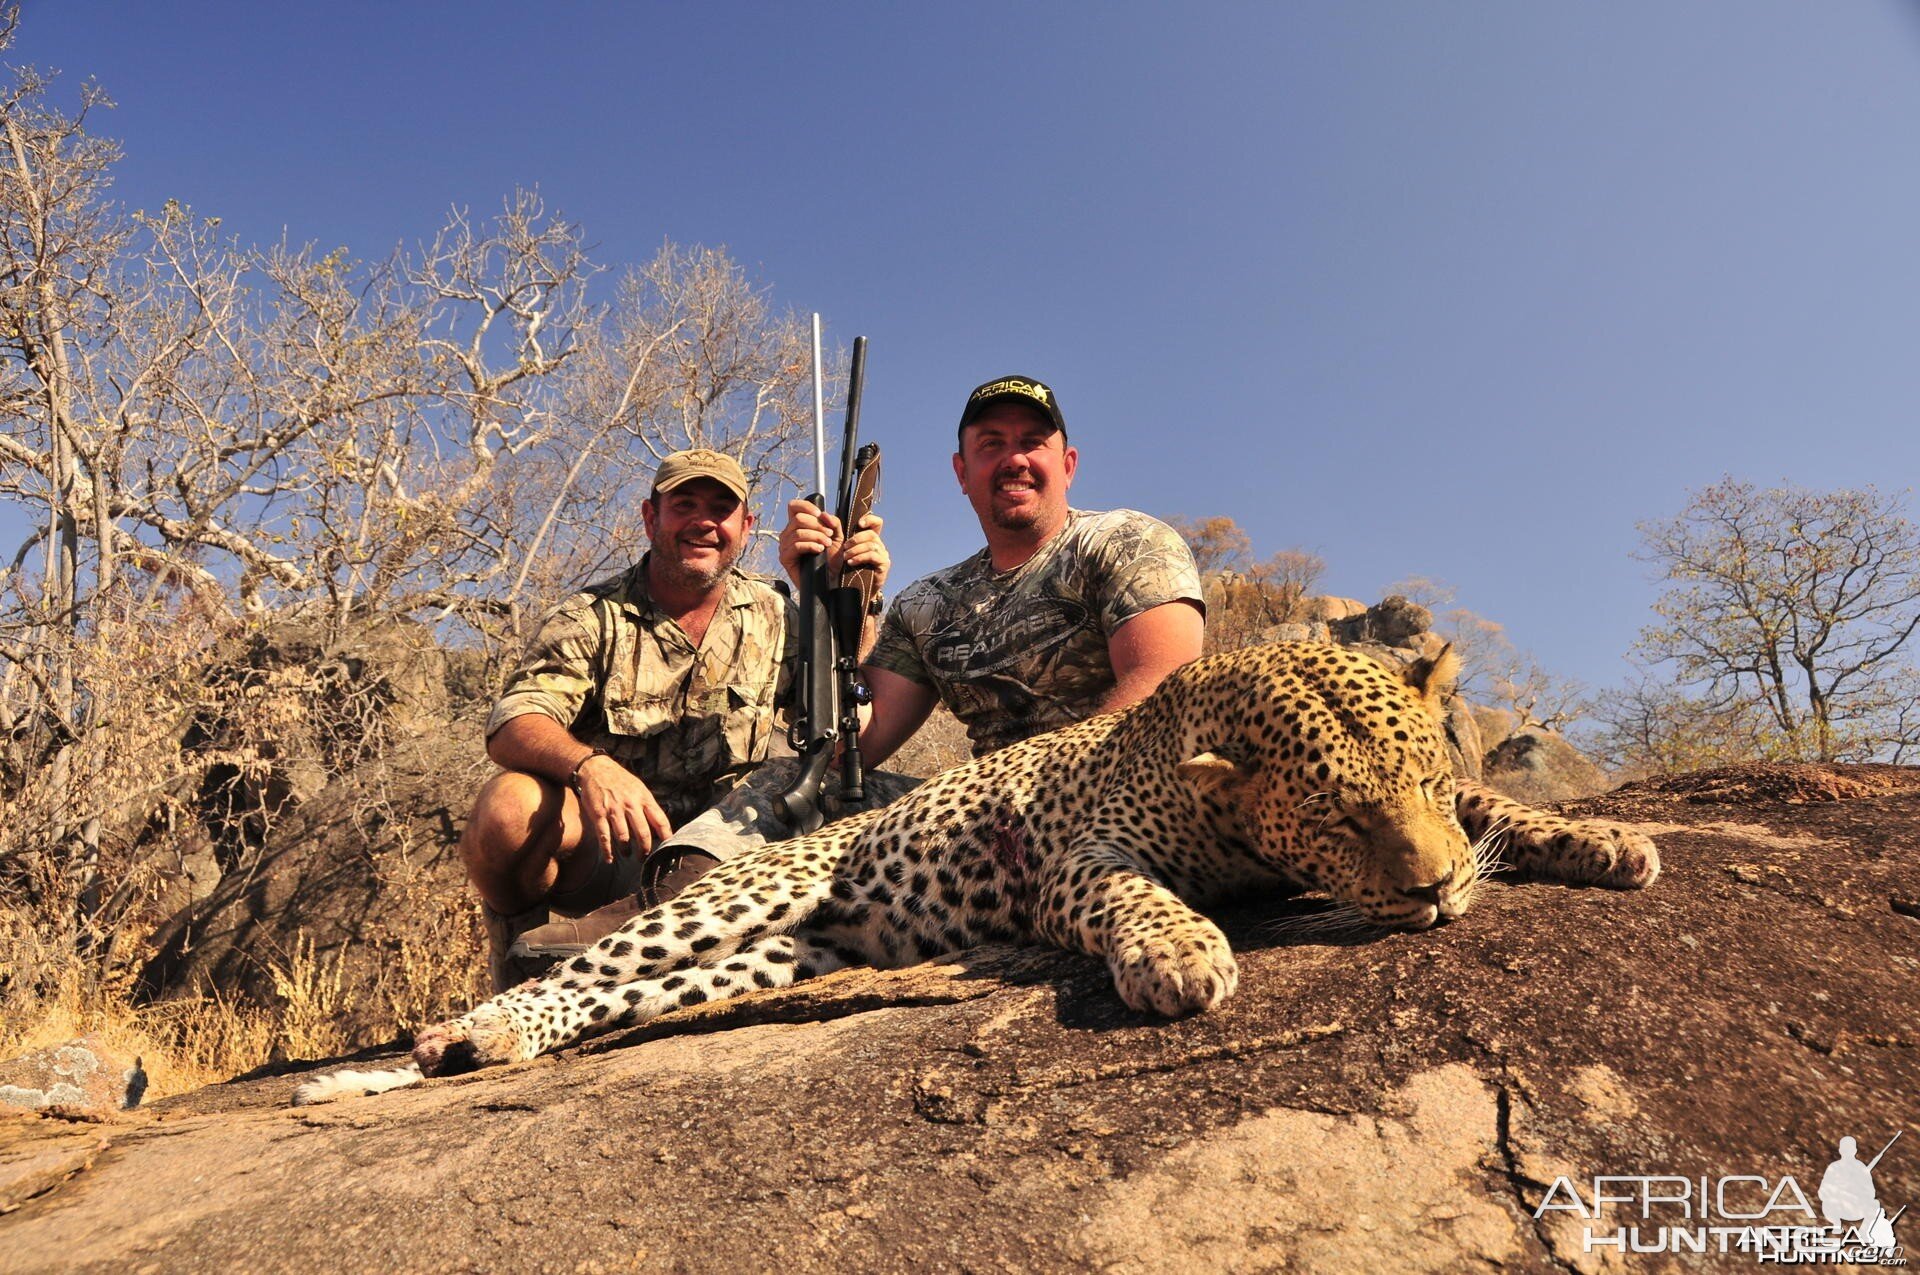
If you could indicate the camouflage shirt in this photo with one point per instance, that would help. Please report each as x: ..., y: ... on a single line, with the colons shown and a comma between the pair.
x: 1014, y: 653
x: 620, y: 674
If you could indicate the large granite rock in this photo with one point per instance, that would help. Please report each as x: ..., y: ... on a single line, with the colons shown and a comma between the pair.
x: 1392, y: 621
x: 1402, y: 1102
x: 1538, y: 765
x: 86, y: 1076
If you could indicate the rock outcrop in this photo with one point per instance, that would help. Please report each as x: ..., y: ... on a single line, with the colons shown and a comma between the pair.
x: 85, y: 1077
x: 1404, y: 1102
x: 325, y: 870
x: 347, y: 887
x: 1535, y: 765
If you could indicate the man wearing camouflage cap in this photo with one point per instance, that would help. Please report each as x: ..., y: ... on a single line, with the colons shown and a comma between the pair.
x: 641, y: 702
x: 1065, y: 613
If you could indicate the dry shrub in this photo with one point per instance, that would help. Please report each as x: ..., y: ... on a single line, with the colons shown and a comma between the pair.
x: 1243, y: 605
x: 99, y: 826
x: 205, y: 734
x: 189, y: 743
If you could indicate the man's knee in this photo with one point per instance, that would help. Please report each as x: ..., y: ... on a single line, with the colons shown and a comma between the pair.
x: 517, y: 819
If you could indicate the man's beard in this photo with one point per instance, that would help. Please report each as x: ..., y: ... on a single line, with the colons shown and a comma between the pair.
x: 679, y: 572
x: 1025, y: 518
x: 1022, y: 517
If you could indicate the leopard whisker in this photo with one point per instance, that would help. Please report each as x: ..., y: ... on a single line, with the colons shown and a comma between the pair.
x: 1336, y: 920
x: 1488, y: 860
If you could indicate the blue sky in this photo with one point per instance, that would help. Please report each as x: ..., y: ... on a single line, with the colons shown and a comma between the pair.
x: 1459, y: 290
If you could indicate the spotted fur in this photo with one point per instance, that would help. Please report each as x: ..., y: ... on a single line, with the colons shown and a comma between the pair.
x: 1295, y: 764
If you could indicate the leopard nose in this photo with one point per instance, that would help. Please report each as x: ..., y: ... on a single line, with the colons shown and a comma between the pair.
x: 1440, y: 895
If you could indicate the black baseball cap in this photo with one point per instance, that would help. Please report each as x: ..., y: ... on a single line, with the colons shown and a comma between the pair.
x: 1022, y: 389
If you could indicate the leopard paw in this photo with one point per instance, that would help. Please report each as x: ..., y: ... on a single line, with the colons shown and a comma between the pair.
x: 1606, y: 854
x: 482, y: 1038
x: 1175, y: 974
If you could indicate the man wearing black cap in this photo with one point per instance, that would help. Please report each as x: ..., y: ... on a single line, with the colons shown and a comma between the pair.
x: 1064, y: 614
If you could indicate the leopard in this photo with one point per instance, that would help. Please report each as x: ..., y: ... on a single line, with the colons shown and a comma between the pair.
x: 1291, y: 767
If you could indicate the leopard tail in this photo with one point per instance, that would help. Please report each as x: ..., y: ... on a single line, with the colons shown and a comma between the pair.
x: 354, y: 1084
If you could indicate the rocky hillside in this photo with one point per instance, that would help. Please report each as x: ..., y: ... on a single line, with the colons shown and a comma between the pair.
x: 1402, y: 1102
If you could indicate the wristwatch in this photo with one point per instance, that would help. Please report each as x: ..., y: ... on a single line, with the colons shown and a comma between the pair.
x: 573, y: 777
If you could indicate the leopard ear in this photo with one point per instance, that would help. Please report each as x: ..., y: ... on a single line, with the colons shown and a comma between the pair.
x: 1433, y: 679
x: 1213, y: 774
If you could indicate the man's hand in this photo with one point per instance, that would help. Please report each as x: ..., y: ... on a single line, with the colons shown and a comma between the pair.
x: 618, y: 811
x: 812, y: 530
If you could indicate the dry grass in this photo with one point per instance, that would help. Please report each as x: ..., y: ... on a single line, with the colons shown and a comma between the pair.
x: 430, y: 978
x: 190, y: 1042
x: 314, y: 998
x: 181, y: 1044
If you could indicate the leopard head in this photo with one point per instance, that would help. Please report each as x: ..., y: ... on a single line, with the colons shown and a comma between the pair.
x: 1333, y: 768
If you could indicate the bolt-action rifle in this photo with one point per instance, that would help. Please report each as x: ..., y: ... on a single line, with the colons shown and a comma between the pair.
x: 832, y: 613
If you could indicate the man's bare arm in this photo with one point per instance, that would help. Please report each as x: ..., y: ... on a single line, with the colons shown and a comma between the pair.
x: 1148, y: 647
x: 900, y: 706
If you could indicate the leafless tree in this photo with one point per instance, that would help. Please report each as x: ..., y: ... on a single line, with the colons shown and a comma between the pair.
x: 1496, y: 673
x: 1218, y: 543
x: 689, y: 354
x: 206, y: 437
x: 1796, y: 604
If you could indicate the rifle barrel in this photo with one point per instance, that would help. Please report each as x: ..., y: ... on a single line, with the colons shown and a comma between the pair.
x: 819, y: 418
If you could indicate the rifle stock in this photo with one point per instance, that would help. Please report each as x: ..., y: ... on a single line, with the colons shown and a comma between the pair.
x: 848, y: 604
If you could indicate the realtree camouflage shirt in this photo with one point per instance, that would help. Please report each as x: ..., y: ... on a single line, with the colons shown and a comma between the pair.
x: 617, y: 671
x: 1014, y: 653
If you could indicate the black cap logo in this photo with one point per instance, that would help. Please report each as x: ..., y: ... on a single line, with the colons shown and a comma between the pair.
x: 1022, y: 389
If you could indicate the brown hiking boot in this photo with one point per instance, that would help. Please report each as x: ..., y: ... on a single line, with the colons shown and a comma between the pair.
x: 502, y: 929
x: 571, y: 935
x: 673, y: 870
x: 520, y: 950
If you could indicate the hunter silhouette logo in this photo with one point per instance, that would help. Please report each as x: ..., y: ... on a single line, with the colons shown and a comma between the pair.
x: 1771, y: 1219
x: 1848, y: 1201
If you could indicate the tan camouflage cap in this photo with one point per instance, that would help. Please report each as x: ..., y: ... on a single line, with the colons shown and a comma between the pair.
x: 700, y: 462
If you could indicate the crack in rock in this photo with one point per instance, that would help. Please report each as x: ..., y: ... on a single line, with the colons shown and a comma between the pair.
x: 1519, y: 1181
